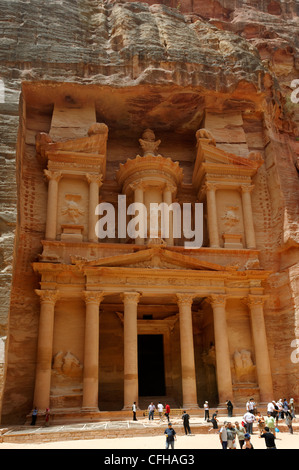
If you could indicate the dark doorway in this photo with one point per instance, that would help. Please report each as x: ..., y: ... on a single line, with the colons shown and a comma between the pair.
x: 151, y: 377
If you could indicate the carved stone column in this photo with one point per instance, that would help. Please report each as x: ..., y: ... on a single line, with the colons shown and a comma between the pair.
x: 187, y: 351
x: 42, y: 387
x: 264, y: 376
x: 247, y: 216
x: 167, y: 198
x: 51, y: 222
x: 95, y: 182
x: 212, y: 215
x: 91, y: 351
x: 223, y: 369
x: 130, y: 300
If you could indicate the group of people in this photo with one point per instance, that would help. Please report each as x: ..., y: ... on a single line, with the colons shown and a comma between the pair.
x: 34, y: 417
x: 151, y: 411
x: 229, y: 433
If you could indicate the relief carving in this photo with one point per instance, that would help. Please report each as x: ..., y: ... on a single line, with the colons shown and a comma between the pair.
x: 230, y: 217
x: 67, y: 365
x: 244, y: 369
x: 72, y: 209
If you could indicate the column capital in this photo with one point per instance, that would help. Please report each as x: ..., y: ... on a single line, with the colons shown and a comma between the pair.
x: 210, y: 186
x: 53, y: 175
x: 49, y: 296
x: 247, y: 188
x: 184, y: 299
x: 136, y: 185
x: 130, y: 297
x: 93, y: 297
x: 217, y: 300
x: 170, y: 187
x: 94, y: 178
x: 255, y: 300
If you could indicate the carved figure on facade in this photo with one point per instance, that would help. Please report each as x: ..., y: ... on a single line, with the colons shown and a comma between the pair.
x: 67, y: 364
x: 148, y: 143
x: 72, y: 208
x: 243, y: 367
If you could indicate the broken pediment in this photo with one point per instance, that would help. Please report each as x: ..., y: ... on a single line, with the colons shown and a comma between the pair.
x: 158, y: 257
x: 214, y: 163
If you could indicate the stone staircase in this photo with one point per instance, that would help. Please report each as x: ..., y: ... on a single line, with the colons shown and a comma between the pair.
x: 145, y: 401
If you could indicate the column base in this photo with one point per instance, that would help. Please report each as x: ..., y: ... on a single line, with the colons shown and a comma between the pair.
x: 190, y: 406
x: 87, y: 409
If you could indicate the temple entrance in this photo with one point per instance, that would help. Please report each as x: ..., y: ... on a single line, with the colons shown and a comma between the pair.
x: 151, y: 376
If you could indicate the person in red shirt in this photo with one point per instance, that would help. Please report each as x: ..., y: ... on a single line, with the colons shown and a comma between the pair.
x: 167, y: 412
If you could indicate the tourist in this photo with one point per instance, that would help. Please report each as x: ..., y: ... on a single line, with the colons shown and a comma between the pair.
x: 151, y: 411
x: 186, y: 418
x: 270, y: 423
x: 269, y: 438
x: 285, y: 405
x: 229, y: 408
x: 223, y: 435
x: 214, y: 420
x: 248, y: 419
x: 260, y: 422
x: 34, y: 416
x: 240, y: 430
x: 47, y: 417
x: 292, y: 407
x: 280, y: 414
x: 167, y: 412
x: 207, y: 410
x: 247, y: 444
x: 231, y: 436
x: 288, y: 420
x: 250, y: 406
x: 270, y: 407
x: 160, y: 409
x: 134, y: 409
x: 170, y: 436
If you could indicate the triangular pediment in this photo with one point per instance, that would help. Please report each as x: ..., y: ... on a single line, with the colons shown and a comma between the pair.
x: 159, y: 257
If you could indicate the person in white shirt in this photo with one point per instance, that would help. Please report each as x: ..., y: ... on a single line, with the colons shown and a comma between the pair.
x: 207, y: 410
x: 249, y: 419
x: 160, y: 409
x: 134, y: 409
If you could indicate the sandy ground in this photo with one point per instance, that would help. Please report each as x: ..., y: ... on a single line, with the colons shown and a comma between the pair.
x: 197, y: 441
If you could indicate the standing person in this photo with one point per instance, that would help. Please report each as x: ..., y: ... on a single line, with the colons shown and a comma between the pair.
x: 289, y: 419
x: 248, y: 419
x: 223, y: 435
x: 47, y: 417
x: 207, y: 410
x: 134, y: 409
x: 280, y: 410
x: 151, y: 410
x: 160, y: 409
x: 285, y: 405
x: 292, y: 407
x: 240, y: 430
x: 34, y: 416
x: 250, y: 406
x: 269, y: 438
x: 231, y: 436
x: 167, y: 412
x: 186, y: 418
x: 229, y: 408
x: 170, y: 436
x: 260, y: 422
x: 247, y: 445
x: 214, y: 420
x: 270, y: 423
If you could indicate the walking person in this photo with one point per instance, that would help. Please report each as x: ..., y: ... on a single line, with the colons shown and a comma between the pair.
x: 34, y: 416
x: 269, y: 438
x: 230, y: 407
x: 167, y: 412
x: 207, y: 410
x: 288, y: 420
x: 170, y: 436
x: 241, y: 431
x: 260, y: 422
x: 134, y: 409
x: 223, y: 435
x: 270, y: 423
x: 214, y: 420
x: 151, y: 411
x: 186, y: 424
x: 292, y: 407
x: 251, y: 406
x: 249, y: 419
x: 160, y: 409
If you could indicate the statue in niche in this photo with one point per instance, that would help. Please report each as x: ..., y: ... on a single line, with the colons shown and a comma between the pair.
x: 67, y: 365
x: 244, y: 369
x: 148, y: 143
x: 230, y: 218
x: 206, y: 135
x: 72, y: 209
